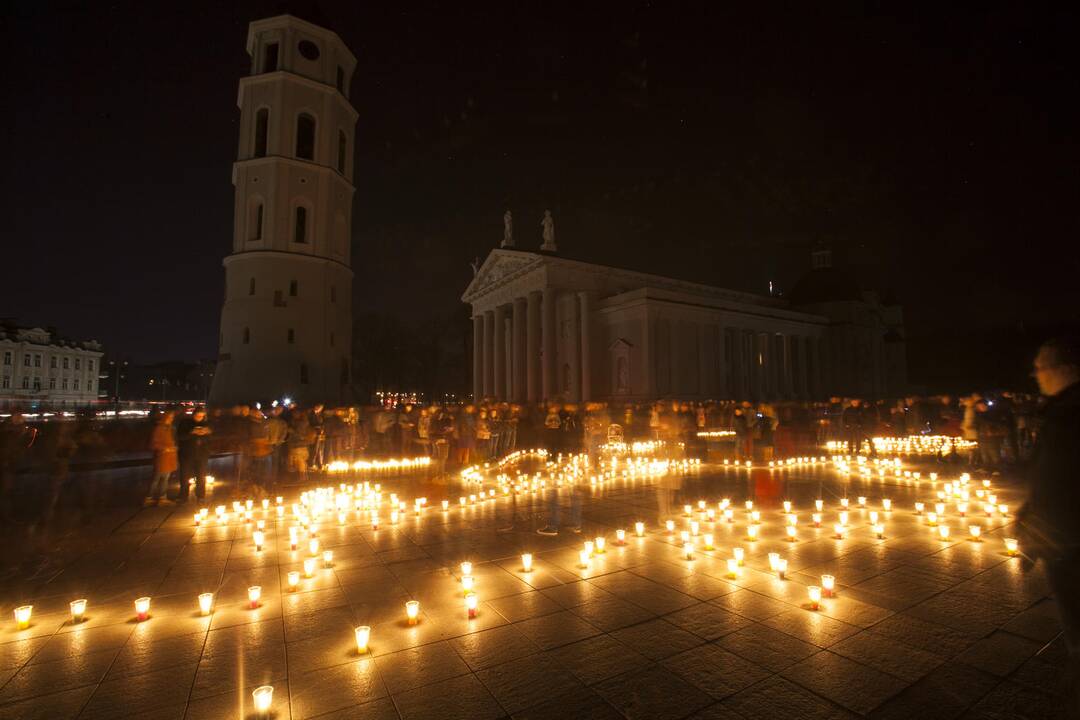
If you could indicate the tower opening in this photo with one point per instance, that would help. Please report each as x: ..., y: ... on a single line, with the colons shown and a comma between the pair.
x: 305, y: 137
x: 262, y: 126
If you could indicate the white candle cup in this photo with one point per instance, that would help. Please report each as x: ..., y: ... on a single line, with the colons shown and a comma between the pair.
x: 943, y: 532
x: 739, y: 554
x: 620, y: 536
x: 828, y: 585
x: 639, y: 529
x: 976, y: 532
x: 670, y: 525
x: 791, y: 533
x: 206, y: 603
x: 78, y: 610
x: 814, y: 592
x: 466, y: 568
x: 471, y: 605
x: 412, y: 611
x: 583, y: 559
x: 752, y: 533
x: 781, y: 568
x: 22, y: 616
x: 263, y: 697
x: 732, y: 568
x: 819, y: 505
x: 309, y: 567
x: 258, y: 537
x: 328, y: 558
x: 142, y: 608
x: 363, y: 636
x: 599, y: 544
x: 467, y: 583
x: 708, y: 541
x: 254, y: 595
x: 294, y: 579
x: 526, y: 562
x: 688, y: 551
x: 1012, y: 546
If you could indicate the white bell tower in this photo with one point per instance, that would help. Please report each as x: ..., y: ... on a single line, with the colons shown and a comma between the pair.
x: 286, y: 323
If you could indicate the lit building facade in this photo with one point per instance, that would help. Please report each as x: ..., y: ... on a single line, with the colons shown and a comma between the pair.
x: 547, y: 327
x: 38, y: 367
x: 286, y: 322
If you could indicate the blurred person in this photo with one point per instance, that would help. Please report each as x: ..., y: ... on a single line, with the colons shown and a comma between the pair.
x: 259, y: 450
x: 552, y: 427
x: 1048, y: 526
x: 193, y: 444
x: 166, y: 460
x: 300, y: 438
x: 276, y: 432
x: 317, y: 423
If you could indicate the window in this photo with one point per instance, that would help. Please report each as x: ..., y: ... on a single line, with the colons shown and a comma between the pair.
x: 333, y: 293
x: 300, y: 234
x: 341, y: 79
x: 52, y: 362
x: 78, y: 363
x: 67, y: 363
x: 52, y: 383
x: 308, y: 49
x: 292, y: 336
x: 37, y: 359
x: 90, y: 365
x: 258, y: 220
x: 247, y: 335
x: 7, y: 357
x: 76, y: 383
x: 262, y: 129
x: 26, y: 360
x: 37, y: 383
x: 303, y: 374
x: 293, y: 288
x: 89, y: 385
x: 64, y: 384
x: 270, y: 56
x: 305, y: 137
x: 279, y: 301
x: 342, y: 143
x: 251, y: 286
x: 7, y: 381
x: 25, y: 382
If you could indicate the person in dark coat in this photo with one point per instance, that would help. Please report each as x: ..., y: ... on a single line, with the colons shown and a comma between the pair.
x: 1049, y: 522
x: 193, y: 442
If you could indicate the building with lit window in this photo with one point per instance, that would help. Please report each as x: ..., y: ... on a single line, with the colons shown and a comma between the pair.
x: 37, y: 367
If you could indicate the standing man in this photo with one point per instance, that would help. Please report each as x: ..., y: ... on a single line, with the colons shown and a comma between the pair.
x: 1048, y: 521
x: 193, y: 442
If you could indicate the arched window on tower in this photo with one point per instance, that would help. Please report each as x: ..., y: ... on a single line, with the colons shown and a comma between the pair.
x: 256, y: 221
x: 305, y: 137
x: 262, y: 126
x: 300, y: 232
x: 342, y: 144
x: 251, y: 287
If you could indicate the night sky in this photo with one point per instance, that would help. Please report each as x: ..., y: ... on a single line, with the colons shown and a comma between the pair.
x: 935, y: 149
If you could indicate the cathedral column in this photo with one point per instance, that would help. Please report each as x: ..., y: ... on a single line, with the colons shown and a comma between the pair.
x: 575, y: 353
x: 489, y: 353
x: 478, y: 356
x: 586, y: 346
x: 548, y: 325
x: 500, y: 353
x: 532, y: 347
x: 517, y: 361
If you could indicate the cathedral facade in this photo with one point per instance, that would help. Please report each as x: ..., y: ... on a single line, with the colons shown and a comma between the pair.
x: 286, y: 322
x: 552, y: 328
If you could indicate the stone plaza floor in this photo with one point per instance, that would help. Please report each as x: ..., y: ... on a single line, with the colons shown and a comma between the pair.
x: 919, y: 626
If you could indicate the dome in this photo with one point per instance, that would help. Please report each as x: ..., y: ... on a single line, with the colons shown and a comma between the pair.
x: 825, y: 284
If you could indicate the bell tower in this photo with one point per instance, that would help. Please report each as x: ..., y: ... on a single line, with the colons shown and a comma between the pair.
x: 286, y: 322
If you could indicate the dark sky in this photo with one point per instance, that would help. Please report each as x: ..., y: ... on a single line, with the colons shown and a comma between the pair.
x: 934, y: 147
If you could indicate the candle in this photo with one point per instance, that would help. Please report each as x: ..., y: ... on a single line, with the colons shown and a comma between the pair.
x: 838, y: 528
x: 589, y: 547
x: 583, y: 558
x: 263, y: 697
x: 819, y: 504
x: 843, y: 502
x: 773, y: 558
x: 792, y: 519
x: 787, y: 506
x: 708, y: 540
x: 739, y: 555
x: 639, y: 528
x: 962, y: 508
x: 781, y: 568
x: 873, y: 517
x: 328, y: 558
x: 943, y: 531
x: 254, y: 594
x: 1011, y: 546
x: 142, y: 608
x: 791, y: 530
x: 258, y: 536
x: 975, y: 531
x: 313, y: 546
x: 467, y: 583
x: 939, y: 508
x: 526, y: 562
x: 815, y: 596
x: 817, y: 519
x: 599, y: 544
x: 684, y: 536
x: 22, y: 616
x: 931, y: 519
x: 919, y: 508
x: 687, y: 509
x: 752, y: 532
x: 862, y: 501
x: 363, y: 635
x: 886, y: 505
x: 688, y: 551
x: 412, y: 611
x: 732, y: 568
x: 78, y: 610
x: 695, y: 527
x: 620, y: 536
x: 670, y: 525
x: 749, y: 505
x: 755, y: 516
x: 828, y: 585
x: 309, y: 567
x: 294, y: 579
x: 198, y: 519
x: 1004, y: 510
x: 470, y: 604
x: 879, y: 530
x: 843, y: 517
x: 466, y: 568
x: 729, y: 515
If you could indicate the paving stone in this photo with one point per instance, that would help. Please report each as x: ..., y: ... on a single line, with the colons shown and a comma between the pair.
x: 776, y: 699
x: 459, y: 698
x: 652, y: 694
x: 1000, y: 653
x: 944, y: 693
x: 927, y: 636
x: 493, y: 647
x: 707, y: 621
x: 880, y: 653
x: 1011, y: 700
x: 582, y: 703
x: 657, y: 639
x: 342, y: 686
x: 561, y: 628
x: 525, y: 682
x: 715, y: 671
x: 751, y: 605
x: 847, y: 683
x: 767, y: 647
x: 418, y: 666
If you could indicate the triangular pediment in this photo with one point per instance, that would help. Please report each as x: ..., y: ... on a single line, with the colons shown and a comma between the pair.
x: 499, y: 266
